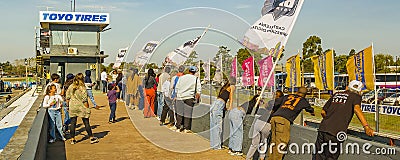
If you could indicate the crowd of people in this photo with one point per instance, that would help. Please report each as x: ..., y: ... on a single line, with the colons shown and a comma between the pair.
x: 171, y: 95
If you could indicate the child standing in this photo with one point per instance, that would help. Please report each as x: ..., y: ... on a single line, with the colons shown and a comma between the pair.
x: 52, y: 101
x: 112, y: 100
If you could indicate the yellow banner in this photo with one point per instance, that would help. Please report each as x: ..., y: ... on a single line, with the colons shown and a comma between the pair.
x: 361, y: 67
x: 323, y: 71
x: 293, y: 70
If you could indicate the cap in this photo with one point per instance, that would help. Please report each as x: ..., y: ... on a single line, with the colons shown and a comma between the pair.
x: 70, y: 76
x: 356, y: 85
x: 181, y: 68
x: 192, y: 69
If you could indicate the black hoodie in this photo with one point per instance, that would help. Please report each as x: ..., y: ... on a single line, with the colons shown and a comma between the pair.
x: 88, y: 81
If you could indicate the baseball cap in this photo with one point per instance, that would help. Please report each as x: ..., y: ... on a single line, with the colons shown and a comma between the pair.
x: 356, y: 85
x: 192, y: 69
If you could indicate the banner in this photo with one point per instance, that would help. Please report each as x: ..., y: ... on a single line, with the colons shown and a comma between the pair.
x: 275, y: 25
x: 248, y: 72
x: 293, y: 71
x: 120, y: 57
x: 218, y: 76
x: 323, y: 71
x: 144, y: 55
x: 234, y: 68
x: 206, y: 68
x: 266, y: 65
x: 384, y: 109
x: 361, y: 67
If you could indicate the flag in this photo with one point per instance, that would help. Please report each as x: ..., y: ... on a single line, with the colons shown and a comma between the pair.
x: 179, y: 55
x: 248, y: 72
x: 234, y: 68
x: 293, y: 70
x: 266, y: 65
x: 206, y: 68
x: 323, y: 71
x: 361, y: 67
x: 275, y: 25
x: 144, y: 55
x: 120, y: 57
x: 218, y: 76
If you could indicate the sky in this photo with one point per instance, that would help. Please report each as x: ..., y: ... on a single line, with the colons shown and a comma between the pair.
x: 342, y: 25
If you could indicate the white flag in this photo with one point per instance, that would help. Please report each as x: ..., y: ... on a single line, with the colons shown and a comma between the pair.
x: 179, y: 55
x: 144, y: 55
x: 120, y: 57
x: 279, y: 17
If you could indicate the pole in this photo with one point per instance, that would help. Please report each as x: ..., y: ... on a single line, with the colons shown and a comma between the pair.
x: 209, y: 77
x: 269, y: 77
x: 74, y: 5
x: 254, y: 76
x: 302, y: 84
x: 236, y: 74
x: 376, y: 93
x: 333, y: 71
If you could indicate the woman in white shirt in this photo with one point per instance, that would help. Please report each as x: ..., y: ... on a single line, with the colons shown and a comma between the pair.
x: 52, y: 102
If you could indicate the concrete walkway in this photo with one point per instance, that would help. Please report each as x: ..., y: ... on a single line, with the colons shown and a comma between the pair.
x: 139, y: 138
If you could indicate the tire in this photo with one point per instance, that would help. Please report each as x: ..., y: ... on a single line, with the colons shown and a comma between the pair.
x: 396, y: 103
x: 285, y: 90
x: 370, y: 101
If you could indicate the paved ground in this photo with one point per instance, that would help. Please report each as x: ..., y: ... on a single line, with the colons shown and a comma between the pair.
x: 122, y: 140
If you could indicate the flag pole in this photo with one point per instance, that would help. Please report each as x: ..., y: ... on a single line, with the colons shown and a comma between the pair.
x: 209, y: 77
x: 269, y: 77
x: 376, y: 92
x: 333, y: 71
x: 254, y: 76
x: 236, y: 74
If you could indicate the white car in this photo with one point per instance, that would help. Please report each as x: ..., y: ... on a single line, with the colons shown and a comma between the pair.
x: 392, y: 100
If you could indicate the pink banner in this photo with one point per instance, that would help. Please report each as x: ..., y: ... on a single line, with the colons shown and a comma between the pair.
x: 248, y: 72
x: 234, y: 67
x: 266, y: 65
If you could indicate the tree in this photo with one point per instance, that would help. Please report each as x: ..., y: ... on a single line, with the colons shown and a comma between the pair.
x: 311, y: 47
x: 381, y: 61
x: 191, y: 59
x: 340, y: 64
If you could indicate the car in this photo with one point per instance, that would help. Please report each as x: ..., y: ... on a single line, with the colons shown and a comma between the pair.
x: 394, y: 99
x: 382, y: 94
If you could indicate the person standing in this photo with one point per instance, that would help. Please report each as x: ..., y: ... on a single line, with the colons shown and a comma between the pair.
x: 55, y: 79
x: 160, y: 95
x: 337, y: 114
x: 114, y: 76
x: 119, y: 84
x: 285, y: 111
x: 167, y: 103
x: 48, y: 77
x: 217, y: 113
x: 77, y: 100
x: 53, y: 102
x: 132, y: 90
x: 188, y: 89
x: 261, y: 128
x: 172, y: 88
x: 89, y: 84
x: 67, y: 120
x: 112, y: 101
x: 149, y: 81
x: 104, y: 80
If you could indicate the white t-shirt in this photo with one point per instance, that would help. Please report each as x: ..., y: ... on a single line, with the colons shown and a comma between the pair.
x: 49, y: 99
x: 185, y: 87
x: 103, y: 76
x: 165, y: 88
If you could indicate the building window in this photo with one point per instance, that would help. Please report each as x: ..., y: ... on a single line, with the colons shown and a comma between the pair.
x: 74, y: 38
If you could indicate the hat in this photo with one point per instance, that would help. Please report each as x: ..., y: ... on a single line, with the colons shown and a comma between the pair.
x: 70, y: 76
x: 192, y: 69
x: 181, y: 68
x: 356, y: 85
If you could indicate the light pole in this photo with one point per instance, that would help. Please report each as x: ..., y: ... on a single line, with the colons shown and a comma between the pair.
x: 26, y: 72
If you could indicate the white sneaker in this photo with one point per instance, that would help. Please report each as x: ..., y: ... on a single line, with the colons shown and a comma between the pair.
x: 236, y: 153
x: 52, y: 140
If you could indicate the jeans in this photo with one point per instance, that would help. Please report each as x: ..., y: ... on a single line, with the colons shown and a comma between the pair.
x: 67, y: 120
x: 216, y: 112
x: 261, y: 131
x: 236, y: 117
x: 160, y: 100
x: 55, y: 122
x: 90, y: 95
x: 141, y: 98
x: 113, y: 107
x: 167, y: 110
x: 325, y: 138
x: 104, y: 86
x: 123, y: 92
